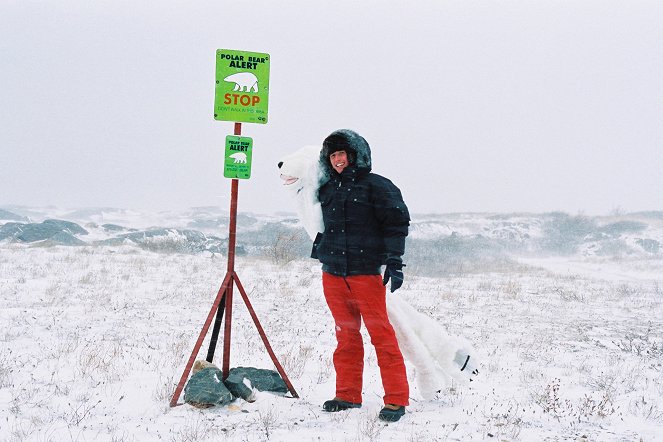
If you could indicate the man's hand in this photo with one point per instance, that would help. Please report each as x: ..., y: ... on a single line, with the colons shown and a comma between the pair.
x: 393, y: 272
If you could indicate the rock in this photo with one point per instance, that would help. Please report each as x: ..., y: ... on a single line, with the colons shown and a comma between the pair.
x: 201, y: 364
x: 7, y: 215
x: 66, y: 239
x: 113, y: 228
x: 48, y: 229
x: 112, y: 242
x: 10, y: 230
x: 66, y: 226
x: 648, y: 245
x: 259, y: 379
x: 205, y: 389
x: 174, y: 241
x: 55, y: 231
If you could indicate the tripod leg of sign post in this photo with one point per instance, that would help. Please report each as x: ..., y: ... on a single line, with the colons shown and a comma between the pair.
x: 227, y: 282
x: 215, y: 330
x: 252, y: 312
x: 226, y: 331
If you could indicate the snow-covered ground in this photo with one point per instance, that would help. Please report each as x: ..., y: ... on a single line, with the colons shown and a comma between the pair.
x: 94, y: 338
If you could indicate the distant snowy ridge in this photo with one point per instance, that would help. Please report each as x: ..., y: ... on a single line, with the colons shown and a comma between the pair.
x: 452, y: 242
x: 553, y: 233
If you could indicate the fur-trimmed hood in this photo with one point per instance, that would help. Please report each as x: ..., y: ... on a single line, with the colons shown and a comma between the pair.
x: 359, y: 152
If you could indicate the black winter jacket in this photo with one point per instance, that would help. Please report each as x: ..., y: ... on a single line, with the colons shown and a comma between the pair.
x: 365, y: 219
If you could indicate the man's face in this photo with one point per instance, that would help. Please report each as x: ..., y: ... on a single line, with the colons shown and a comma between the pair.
x: 339, y: 160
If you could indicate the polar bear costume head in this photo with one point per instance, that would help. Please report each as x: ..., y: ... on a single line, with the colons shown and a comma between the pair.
x: 302, y: 176
x: 305, y: 170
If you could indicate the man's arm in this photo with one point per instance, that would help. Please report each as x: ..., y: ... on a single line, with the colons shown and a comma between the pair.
x: 394, y: 218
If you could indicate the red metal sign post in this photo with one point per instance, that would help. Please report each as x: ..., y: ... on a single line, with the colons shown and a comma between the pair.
x: 223, y: 301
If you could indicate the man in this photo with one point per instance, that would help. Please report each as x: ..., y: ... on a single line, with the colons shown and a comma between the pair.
x: 365, y: 225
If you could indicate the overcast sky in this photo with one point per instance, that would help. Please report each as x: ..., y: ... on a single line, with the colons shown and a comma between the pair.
x: 489, y: 106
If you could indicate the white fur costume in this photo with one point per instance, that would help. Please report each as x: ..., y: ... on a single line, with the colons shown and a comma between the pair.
x: 436, y: 356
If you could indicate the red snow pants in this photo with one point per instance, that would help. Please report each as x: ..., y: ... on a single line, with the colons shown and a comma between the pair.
x: 351, y: 299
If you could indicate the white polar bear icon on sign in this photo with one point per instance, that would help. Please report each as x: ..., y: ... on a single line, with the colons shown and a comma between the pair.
x: 244, y: 81
x: 239, y: 157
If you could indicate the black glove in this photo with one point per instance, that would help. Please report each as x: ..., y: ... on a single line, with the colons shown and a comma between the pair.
x: 395, y: 273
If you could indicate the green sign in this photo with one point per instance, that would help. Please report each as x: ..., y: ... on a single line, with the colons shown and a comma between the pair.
x: 237, y: 163
x: 242, y: 86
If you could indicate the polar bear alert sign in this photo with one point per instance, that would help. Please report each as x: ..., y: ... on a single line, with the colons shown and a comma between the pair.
x: 237, y: 163
x: 242, y: 86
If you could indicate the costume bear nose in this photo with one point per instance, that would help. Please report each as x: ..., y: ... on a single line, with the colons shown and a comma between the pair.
x: 280, y: 164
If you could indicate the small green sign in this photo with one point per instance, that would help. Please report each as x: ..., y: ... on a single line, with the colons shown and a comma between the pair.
x: 242, y: 86
x: 237, y: 163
